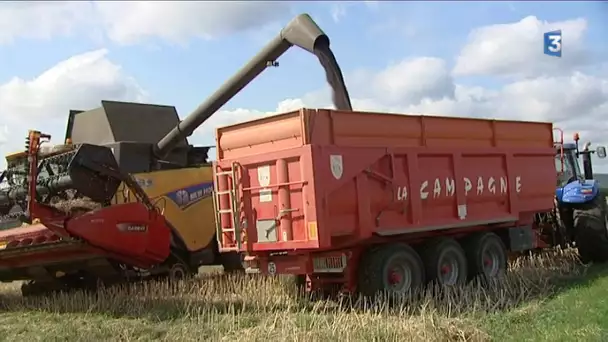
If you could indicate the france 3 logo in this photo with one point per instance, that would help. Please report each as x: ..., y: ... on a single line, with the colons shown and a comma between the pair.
x: 553, y: 43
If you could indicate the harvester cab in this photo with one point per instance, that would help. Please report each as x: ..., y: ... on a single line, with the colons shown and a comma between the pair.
x: 581, y: 211
x: 126, y: 196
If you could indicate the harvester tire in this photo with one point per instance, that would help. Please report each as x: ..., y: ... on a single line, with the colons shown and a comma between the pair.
x: 393, y: 270
x: 178, y: 271
x: 445, y: 262
x: 591, y: 231
x: 486, y: 256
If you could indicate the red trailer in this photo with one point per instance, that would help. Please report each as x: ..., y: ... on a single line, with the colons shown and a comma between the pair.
x: 382, y: 202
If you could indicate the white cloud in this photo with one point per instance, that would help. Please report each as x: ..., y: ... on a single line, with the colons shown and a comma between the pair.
x: 136, y: 21
x: 413, y: 80
x: 205, y: 134
x: 338, y: 11
x: 517, y: 49
x: 80, y: 82
x: 129, y: 22
x: 3, y: 135
x: 40, y: 20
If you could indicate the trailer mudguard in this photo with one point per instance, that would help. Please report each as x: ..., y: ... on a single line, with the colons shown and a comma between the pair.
x: 577, y: 192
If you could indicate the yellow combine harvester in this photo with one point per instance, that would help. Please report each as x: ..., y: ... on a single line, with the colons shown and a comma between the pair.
x: 180, y: 189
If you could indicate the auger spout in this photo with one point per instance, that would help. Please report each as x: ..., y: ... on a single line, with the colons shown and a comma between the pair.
x: 303, y: 32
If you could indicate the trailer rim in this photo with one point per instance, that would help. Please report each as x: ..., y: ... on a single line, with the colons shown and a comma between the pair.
x: 491, y: 260
x: 399, y: 274
x: 449, y: 271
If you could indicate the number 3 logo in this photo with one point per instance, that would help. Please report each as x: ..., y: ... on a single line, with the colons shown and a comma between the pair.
x: 556, y: 43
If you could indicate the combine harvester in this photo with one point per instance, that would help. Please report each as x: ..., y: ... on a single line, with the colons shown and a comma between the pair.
x: 126, y: 197
x: 373, y: 202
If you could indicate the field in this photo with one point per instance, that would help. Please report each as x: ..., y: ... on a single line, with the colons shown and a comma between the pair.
x: 548, y: 297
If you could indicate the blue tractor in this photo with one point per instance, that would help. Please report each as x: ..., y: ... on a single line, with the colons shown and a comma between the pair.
x: 581, y: 210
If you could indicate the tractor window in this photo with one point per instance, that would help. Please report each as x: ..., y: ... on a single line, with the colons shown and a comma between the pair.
x: 562, y: 178
x: 572, y: 163
x: 571, y: 167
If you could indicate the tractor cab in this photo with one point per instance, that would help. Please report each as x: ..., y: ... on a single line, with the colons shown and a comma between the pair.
x: 575, y: 186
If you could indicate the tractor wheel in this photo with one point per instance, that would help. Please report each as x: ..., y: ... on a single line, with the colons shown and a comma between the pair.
x: 590, y: 229
x: 445, y: 262
x: 393, y: 270
x: 486, y: 256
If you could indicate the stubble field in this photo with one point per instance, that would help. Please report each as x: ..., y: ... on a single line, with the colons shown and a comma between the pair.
x: 548, y: 297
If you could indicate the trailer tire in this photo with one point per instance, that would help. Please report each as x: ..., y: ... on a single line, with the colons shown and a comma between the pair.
x: 443, y: 255
x: 591, y: 234
x: 486, y: 256
x: 393, y: 270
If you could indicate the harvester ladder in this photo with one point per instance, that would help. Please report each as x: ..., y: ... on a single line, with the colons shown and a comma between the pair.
x: 234, y: 230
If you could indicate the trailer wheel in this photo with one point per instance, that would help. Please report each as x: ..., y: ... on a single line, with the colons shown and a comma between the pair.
x: 394, y: 269
x: 487, y: 257
x: 445, y: 262
x: 591, y: 234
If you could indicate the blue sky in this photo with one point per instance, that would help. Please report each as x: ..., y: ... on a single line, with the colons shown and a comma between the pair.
x: 366, y: 37
x: 183, y: 76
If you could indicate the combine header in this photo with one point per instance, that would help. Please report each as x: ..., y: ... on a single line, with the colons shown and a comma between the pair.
x: 126, y: 197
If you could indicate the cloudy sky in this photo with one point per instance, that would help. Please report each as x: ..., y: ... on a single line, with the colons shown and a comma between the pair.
x: 462, y: 59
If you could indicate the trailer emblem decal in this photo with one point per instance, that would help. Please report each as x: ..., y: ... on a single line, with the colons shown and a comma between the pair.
x: 337, y: 167
x: 188, y: 196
